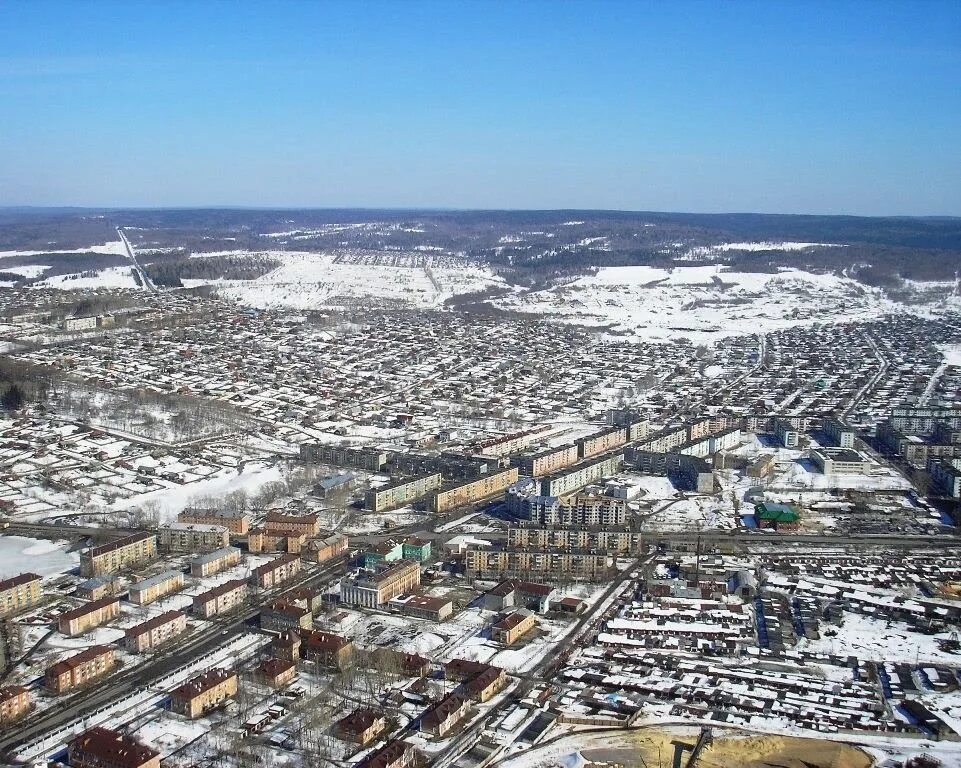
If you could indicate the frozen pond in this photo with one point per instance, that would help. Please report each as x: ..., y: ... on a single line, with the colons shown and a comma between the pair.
x: 19, y: 554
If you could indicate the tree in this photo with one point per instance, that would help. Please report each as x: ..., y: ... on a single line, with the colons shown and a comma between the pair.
x: 13, y: 398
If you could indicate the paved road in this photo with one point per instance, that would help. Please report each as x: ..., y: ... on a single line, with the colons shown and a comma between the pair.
x: 147, y: 283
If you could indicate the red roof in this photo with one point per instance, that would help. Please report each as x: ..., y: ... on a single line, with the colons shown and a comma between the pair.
x: 112, y: 748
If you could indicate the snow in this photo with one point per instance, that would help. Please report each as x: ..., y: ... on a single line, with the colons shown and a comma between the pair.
x: 19, y: 554
x: 112, y: 277
x: 114, y: 247
x: 952, y: 354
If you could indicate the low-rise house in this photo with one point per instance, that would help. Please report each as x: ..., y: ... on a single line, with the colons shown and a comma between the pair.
x: 14, y: 703
x: 441, y: 717
x: 104, y: 748
x: 198, y: 696
x: 361, y: 726
x: 88, y: 616
x: 423, y: 606
x: 80, y: 669
x: 514, y: 593
x: 155, y: 632
x: 479, y: 681
x: 98, y: 587
x: 281, y: 615
x: 214, y: 562
x: 146, y: 591
x: 223, y: 598
x: 277, y: 672
x: 510, y: 628
x: 19, y: 593
x: 394, y: 754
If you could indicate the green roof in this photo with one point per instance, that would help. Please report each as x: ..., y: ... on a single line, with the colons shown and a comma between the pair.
x: 778, y: 513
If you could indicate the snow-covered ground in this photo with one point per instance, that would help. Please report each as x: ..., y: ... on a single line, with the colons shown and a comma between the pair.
x: 19, y: 554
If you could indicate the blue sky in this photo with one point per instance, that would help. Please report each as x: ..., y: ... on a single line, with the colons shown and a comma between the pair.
x: 802, y: 107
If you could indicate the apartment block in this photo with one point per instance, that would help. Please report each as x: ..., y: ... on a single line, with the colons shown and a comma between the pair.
x: 788, y: 435
x: 237, y: 523
x: 282, y: 615
x: 97, y: 587
x: 128, y: 552
x: 439, y: 718
x: 277, y: 522
x: 88, y: 616
x: 146, y: 591
x: 460, y: 495
x: 839, y: 433
x: 361, y: 726
x: 620, y: 541
x: 401, y: 492
x: 155, y: 632
x: 223, y: 598
x: 576, y: 477
x: 277, y: 672
x: 80, y: 669
x: 343, y: 456
x: 198, y: 696
x: 192, y: 537
x: 276, y: 572
x: 920, y: 420
x: 946, y: 478
x: 602, y: 442
x: 19, y: 593
x: 325, y: 648
x: 324, y: 548
x: 513, y: 563
x: 505, y: 445
x: 14, y: 703
x: 215, y: 562
x: 375, y: 589
x: 104, y: 748
x: 545, y: 462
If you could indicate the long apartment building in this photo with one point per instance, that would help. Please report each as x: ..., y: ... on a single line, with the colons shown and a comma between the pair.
x: 277, y: 571
x: 601, y: 442
x: 459, y: 495
x: 323, y: 548
x: 578, y: 509
x: 155, y: 632
x: 920, y: 420
x: 192, y: 537
x: 343, y: 456
x: 278, y: 522
x: 103, y: 748
x: 576, y: 477
x: 375, y: 589
x: 215, y: 562
x: 80, y: 669
x: 223, y: 598
x: 505, y: 445
x: 88, y: 616
x: 147, y: 591
x: 531, y: 564
x: 14, y: 703
x: 602, y: 539
x: 401, y: 492
x: 19, y: 593
x: 946, y: 478
x: 237, y: 523
x: 198, y: 696
x: 544, y: 462
x: 128, y: 552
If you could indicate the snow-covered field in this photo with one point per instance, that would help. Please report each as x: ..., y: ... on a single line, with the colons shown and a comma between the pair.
x: 46, y: 558
x: 702, y: 303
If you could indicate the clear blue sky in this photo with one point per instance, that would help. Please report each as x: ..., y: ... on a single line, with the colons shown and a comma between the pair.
x: 821, y: 107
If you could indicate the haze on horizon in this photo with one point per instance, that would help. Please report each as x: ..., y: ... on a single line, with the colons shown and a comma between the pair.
x: 848, y: 107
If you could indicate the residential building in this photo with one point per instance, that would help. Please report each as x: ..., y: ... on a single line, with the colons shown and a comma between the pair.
x: 286, y: 646
x: 462, y: 494
x: 514, y: 593
x: 89, y: 615
x: 374, y: 589
x: 192, y: 537
x: 324, y: 548
x: 343, y: 456
x: 19, y: 593
x: 128, y: 552
x: 14, y: 703
x: 103, y: 748
x: 416, y: 549
x: 438, y: 719
x: 325, y: 648
x: 787, y: 435
x: 545, y: 461
x: 839, y: 433
x: 281, y: 615
x: 361, y: 726
x: 513, y: 563
x: 80, y: 669
x: 401, y: 492
x: 505, y: 445
x: 146, y: 591
x: 198, y: 696
x: 612, y: 540
x: 479, y: 681
x: 511, y: 627
x: 576, y: 477
x: 222, y: 599
x: 601, y: 442
x: 277, y: 672
x: 946, y: 478
x: 385, y: 552
x: 838, y: 461
x: 237, y: 523
x: 280, y: 522
x: 276, y: 572
x: 920, y: 420
x: 98, y: 587
x: 155, y: 632
x: 394, y: 754
x: 214, y: 562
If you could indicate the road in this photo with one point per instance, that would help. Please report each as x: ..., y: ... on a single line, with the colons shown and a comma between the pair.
x: 147, y: 282
x: 142, y: 676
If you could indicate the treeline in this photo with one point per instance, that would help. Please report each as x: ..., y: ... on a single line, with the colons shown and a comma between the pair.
x: 173, y: 273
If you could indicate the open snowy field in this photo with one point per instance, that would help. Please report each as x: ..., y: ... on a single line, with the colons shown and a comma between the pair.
x: 19, y: 554
x: 702, y: 303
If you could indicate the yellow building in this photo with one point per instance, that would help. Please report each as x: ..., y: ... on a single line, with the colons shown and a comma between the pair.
x: 198, y: 696
x: 467, y: 493
x: 125, y: 553
x: 19, y: 593
x: 89, y: 615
